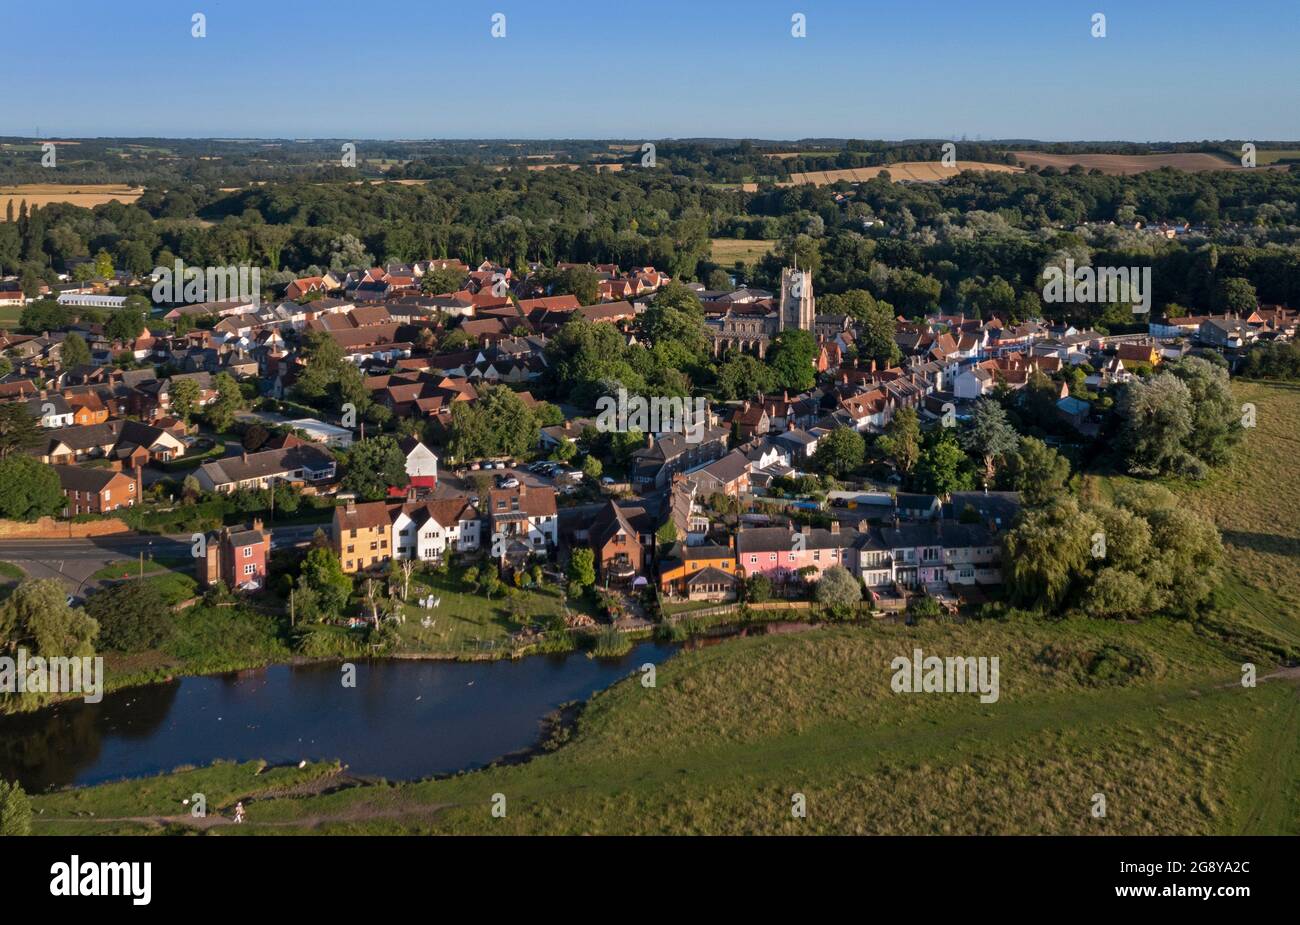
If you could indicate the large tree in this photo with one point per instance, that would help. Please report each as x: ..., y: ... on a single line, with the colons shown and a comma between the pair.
x: 73, y: 351
x: 1155, y: 418
x: 840, y: 452
x: 989, y: 436
x: 19, y: 430
x: 791, y: 359
x: 498, y: 424
x: 901, y: 441
x: 1037, y: 471
x: 28, y: 489
x: 37, y: 616
x: 373, y: 466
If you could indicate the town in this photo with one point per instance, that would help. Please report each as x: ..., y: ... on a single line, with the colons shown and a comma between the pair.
x: 157, y: 407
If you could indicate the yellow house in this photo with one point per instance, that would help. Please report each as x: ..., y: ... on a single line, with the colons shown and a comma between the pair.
x: 684, y: 561
x: 362, y: 535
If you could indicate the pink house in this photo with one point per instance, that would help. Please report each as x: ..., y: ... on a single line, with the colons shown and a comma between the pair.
x: 781, y: 553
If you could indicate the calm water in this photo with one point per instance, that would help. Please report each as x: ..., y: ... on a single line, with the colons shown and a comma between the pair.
x: 403, y: 720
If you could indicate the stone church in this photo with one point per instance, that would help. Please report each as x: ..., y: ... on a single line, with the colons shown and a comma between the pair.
x: 750, y: 326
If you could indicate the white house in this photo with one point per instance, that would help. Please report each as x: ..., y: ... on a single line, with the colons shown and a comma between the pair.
x: 421, y: 463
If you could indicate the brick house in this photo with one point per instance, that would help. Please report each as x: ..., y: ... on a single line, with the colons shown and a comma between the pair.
x: 97, y: 491
x: 237, y: 557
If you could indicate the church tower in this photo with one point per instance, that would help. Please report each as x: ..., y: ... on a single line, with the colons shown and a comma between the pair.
x: 798, y: 306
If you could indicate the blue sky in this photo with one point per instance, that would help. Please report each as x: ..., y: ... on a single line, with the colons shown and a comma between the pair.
x: 1166, y: 70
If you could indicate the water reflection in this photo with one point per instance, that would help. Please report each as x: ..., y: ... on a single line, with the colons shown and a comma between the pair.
x: 404, y: 720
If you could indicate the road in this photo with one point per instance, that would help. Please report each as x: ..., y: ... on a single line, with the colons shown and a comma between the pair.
x: 75, y: 560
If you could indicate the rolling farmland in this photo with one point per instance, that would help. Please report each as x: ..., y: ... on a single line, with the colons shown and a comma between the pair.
x: 918, y: 171
x: 85, y: 195
x: 1128, y: 163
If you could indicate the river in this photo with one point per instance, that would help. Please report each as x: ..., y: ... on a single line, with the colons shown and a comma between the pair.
x: 404, y: 720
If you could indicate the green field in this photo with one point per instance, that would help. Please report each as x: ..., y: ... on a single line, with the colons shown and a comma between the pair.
x: 726, y: 251
x: 1272, y: 156
x: 1150, y: 715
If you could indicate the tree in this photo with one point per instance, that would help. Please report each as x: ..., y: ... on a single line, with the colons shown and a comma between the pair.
x: 758, y: 588
x: 592, y: 468
x: 1155, y: 423
x: 498, y: 424
x: 1237, y: 295
x: 124, y: 325
x: 74, y: 352
x: 837, y: 588
x: 221, y: 412
x: 37, y: 616
x: 322, y: 574
x: 445, y: 279
x: 29, y: 490
x: 582, y: 568
x: 1037, y: 471
x: 902, y: 440
x: 373, y: 466
x: 841, y: 452
x: 103, y: 265
x: 743, y: 376
x: 942, y: 467
x: 19, y: 430
x: 1046, y: 551
x: 989, y: 436
x: 185, y: 394
x: 15, y: 810
x: 791, y: 359
x: 1216, y: 418
x: 132, y: 616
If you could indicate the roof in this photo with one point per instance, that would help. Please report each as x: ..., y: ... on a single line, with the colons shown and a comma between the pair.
x: 266, y: 463
x: 712, y: 576
x: 80, y: 478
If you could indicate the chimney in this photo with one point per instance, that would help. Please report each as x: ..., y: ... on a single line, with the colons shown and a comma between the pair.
x: 835, y: 528
x: 257, y: 524
x: 350, y: 507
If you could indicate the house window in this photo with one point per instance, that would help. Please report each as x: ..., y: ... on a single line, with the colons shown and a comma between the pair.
x: 250, y: 568
x: 248, y: 552
x: 131, y: 488
x: 108, y: 495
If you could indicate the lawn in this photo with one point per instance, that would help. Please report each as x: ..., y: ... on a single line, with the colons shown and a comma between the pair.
x: 465, y: 622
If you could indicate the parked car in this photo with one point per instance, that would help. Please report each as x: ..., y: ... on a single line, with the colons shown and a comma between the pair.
x: 511, y: 482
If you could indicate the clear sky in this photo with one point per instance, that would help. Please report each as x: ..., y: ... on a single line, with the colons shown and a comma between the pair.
x: 1166, y: 70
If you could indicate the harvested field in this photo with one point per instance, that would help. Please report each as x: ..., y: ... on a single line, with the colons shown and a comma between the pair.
x: 920, y: 171
x: 1128, y: 163
x: 78, y: 194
